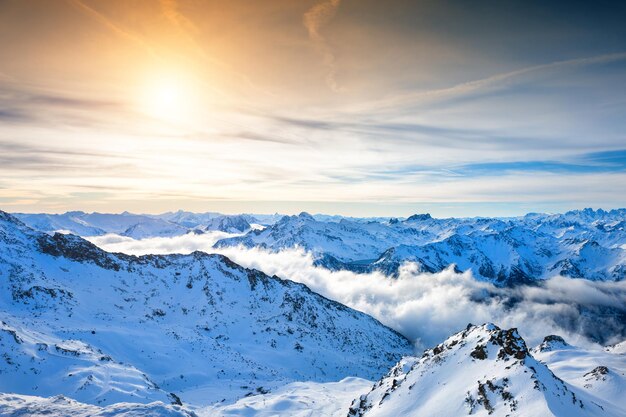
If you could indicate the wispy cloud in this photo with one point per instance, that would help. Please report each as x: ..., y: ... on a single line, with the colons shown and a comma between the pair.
x: 497, y: 81
x: 172, y: 12
x: 314, y: 20
x: 109, y: 23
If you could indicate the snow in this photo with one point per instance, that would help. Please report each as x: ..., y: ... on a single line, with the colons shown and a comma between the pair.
x: 31, y: 406
x: 132, y: 336
x: 299, y: 399
x: 103, y: 328
x: 480, y: 371
x: 581, y: 244
x: 576, y: 366
x: 503, y: 251
x: 137, y: 226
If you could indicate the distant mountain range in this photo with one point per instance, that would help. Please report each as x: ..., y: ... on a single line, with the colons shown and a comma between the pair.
x: 585, y: 243
x: 579, y: 244
x: 197, y: 335
x: 137, y: 226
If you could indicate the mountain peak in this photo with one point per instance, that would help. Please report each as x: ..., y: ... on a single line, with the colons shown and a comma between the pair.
x: 482, y: 370
x: 305, y: 215
x: 490, y: 339
x: 419, y: 217
x: 552, y: 342
x: 6, y: 217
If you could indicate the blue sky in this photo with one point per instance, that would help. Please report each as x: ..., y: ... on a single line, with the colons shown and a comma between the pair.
x: 339, y: 106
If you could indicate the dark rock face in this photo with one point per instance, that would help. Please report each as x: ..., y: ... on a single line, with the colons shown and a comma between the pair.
x: 77, y: 249
x: 598, y: 373
x: 552, y: 342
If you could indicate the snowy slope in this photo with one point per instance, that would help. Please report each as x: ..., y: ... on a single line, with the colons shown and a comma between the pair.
x: 601, y: 372
x: 299, y: 399
x: 102, y: 328
x: 481, y: 371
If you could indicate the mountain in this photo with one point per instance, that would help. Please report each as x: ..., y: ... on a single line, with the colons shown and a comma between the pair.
x: 346, y: 241
x: 483, y: 370
x: 31, y: 406
x: 585, y: 243
x: 80, y: 223
x: 103, y: 328
x: 581, y: 244
x: 137, y: 226
x: 229, y: 224
x: 187, y: 219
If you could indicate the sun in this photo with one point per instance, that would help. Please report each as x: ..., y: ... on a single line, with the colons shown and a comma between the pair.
x: 167, y: 98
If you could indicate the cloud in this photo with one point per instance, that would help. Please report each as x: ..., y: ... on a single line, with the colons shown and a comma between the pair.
x: 114, y: 27
x: 491, y: 83
x: 314, y: 20
x: 29, y: 105
x: 429, y: 307
x: 172, y: 13
x: 159, y: 245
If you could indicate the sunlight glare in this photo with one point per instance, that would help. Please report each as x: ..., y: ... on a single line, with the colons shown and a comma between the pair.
x: 168, y: 98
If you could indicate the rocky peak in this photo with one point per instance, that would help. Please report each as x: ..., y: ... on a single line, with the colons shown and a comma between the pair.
x: 482, y: 370
x: 305, y: 216
x: 419, y: 217
x: 487, y: 339
x: 597, y: 373
x: 552, y: 342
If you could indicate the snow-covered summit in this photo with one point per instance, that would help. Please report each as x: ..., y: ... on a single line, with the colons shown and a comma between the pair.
x: 482, y: 370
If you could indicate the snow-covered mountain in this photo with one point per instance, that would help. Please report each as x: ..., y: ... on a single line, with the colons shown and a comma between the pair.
x: 103, y: 328
x: 485, y: 370
x: 195, y: 220
x: 137, y: 226
x: 229, y: 224
x: 585, y: 243
x: 95, y: 224
x: 32, y: 406
x: 580, y: 244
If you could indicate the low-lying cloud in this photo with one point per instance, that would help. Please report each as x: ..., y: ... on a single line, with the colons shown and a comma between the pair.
x: 427, y: 308
x: 183, y: 244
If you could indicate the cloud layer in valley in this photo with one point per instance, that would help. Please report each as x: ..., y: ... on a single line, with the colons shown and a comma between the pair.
x: 428, y: 307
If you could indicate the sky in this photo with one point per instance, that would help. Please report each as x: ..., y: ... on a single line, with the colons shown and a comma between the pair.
x: 355, y: 107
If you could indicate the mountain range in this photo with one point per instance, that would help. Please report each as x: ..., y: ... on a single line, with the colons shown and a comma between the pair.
x: 585, y: 243
x: 579, y: 244
x: 85, y: 332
